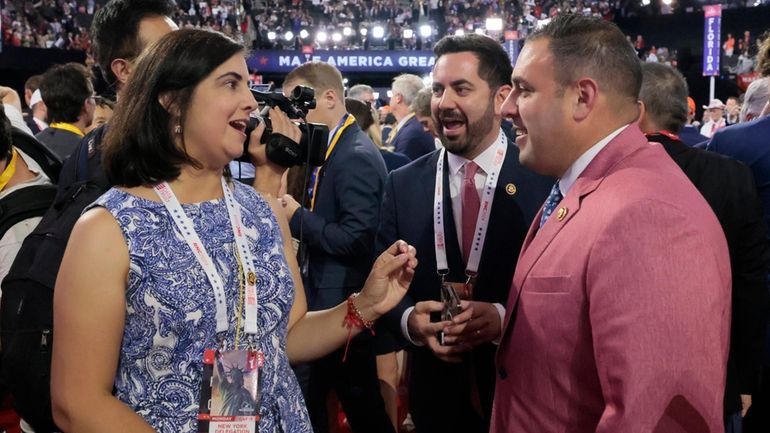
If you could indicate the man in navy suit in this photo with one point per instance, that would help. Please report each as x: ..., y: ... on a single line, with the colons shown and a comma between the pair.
x: 408, y: 136
x: 747, y: 142
x: 476, y: 219
x: 338, y: 231
x: 728, y: 187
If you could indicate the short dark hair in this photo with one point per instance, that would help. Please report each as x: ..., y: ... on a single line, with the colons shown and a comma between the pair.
x: 494, y: 64
x: 139, y: 147
x: 6, y: 138
x: 115, y: 30
x: 664, y: 93
x: 593, y: 46
x: 64, y: 89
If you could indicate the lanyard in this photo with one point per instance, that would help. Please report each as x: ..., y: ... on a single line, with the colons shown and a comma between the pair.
x: 346, y: 121
x: 185, y: 226
x: 67, y: 127
x: 482, y: 222
x: 9, y: 171
x: 665, y: 133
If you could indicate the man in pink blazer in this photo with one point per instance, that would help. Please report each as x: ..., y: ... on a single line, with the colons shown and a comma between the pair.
x: 618, y: 317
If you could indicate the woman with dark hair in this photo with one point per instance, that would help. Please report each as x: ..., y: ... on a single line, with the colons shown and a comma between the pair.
x: 178, y: 264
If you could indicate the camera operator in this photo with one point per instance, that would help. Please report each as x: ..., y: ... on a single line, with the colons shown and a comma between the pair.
x: 337, y: 230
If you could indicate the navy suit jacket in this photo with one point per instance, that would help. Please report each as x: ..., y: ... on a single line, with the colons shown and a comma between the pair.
x: 412, y: 140
x: 748, y: 143
x: 407, y: 213
x: 339, y: 232
x: 691, y: 136
x: 394, y: 160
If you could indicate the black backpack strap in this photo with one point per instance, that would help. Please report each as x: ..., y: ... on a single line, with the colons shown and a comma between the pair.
x: 27, y: 202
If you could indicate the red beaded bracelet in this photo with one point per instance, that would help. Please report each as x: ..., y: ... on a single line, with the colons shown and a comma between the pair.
x: 354, y: 318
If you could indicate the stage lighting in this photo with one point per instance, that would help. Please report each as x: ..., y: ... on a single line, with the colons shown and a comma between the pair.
x: 288, y: 36
x: 408, y: 33
x: 494, y: 24
x: 303, y: 34
x: 459, y: 32
x: 363, y: 31
x: 378, y: 32
x: 347, y: 31
x: 336, y: 37
x: 321, y: 37
x: 479, y: 31
x: 270, y: 36
x: 425, y: 31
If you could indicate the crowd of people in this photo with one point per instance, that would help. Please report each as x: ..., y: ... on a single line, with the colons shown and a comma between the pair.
x: 288, y: 24
x: 508, y: 232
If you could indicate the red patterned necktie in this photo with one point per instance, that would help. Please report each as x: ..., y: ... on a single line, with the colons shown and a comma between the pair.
x: 471, y: 203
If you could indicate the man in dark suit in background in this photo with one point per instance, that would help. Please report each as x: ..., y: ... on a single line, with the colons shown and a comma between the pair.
x: 338, y: 230
x: 483, y: 186
x: 728, y: 187
x: 69, y: 96
x: 408, y: 136
x: 747, y: 142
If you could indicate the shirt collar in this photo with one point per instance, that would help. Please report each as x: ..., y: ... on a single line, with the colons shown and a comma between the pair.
x: 485, y: 160
x: 576, y: 169
x: 403, y: 121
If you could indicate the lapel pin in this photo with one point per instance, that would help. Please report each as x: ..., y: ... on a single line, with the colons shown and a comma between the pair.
x: 562, y: 213
x: 510, y: 189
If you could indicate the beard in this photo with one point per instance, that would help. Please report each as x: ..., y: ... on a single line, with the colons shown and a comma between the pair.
x: 474, y: 132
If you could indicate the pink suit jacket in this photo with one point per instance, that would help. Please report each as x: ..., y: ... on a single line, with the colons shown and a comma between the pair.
x: 618, y: 317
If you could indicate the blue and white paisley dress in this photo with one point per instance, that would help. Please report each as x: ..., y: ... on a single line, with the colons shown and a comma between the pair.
x: 170, y: 310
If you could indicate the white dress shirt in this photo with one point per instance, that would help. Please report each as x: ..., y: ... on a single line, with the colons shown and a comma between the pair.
x: 576, y: 169
x: 709, y: 128
x: 456, y: 166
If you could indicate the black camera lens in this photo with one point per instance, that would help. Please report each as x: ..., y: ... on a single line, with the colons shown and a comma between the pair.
x: 302, y: 94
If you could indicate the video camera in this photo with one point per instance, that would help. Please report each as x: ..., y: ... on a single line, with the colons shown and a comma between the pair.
x: 279, y: 148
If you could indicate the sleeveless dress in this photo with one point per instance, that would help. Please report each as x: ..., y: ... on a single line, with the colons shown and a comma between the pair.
x: 170, y: 313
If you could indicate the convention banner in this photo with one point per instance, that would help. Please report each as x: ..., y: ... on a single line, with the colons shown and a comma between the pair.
x: 274, y: 61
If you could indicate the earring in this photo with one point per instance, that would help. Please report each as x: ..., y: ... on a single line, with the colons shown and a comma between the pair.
x: 178, y: 129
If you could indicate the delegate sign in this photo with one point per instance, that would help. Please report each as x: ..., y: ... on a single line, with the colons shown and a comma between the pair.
x: 711, y: 43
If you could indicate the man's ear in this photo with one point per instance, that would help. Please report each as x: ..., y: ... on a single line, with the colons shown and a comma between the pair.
x: 586, y: 96
x: 121, y: 68
x: 500, y: 97
x: 331, y: 99
x: 644, y: 119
